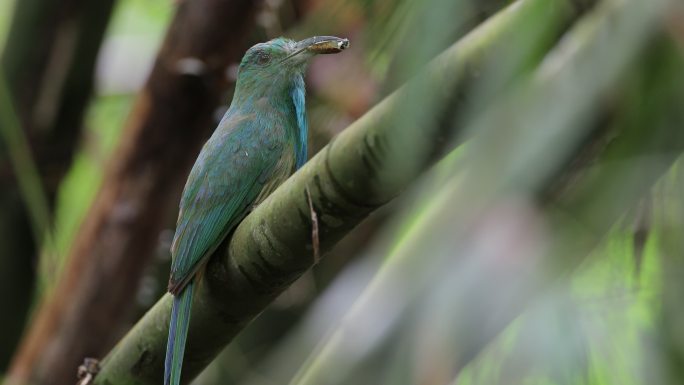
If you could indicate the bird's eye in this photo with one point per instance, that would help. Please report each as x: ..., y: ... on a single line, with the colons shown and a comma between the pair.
x: 263, y: 58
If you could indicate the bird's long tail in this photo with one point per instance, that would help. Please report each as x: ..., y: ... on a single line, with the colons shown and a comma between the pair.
x: 178, y: 333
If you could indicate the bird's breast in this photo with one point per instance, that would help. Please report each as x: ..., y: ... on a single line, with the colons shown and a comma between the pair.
x: 282, y: 170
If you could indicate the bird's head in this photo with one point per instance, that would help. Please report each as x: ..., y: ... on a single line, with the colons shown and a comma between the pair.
x: 271, y: 66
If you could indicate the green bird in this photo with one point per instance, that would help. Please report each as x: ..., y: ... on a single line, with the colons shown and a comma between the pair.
x: 259, y: 143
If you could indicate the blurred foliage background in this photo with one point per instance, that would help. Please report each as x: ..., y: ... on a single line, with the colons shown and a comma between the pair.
x: 543, y: 247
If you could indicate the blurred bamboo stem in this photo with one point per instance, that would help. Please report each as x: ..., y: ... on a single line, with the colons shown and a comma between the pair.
x: 28, y: 179
x: 365, y: 167
x: 48, y: 65
x: 590, y: 204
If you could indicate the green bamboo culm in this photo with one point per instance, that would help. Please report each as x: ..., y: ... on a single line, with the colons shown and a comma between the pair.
x: 30, y: 186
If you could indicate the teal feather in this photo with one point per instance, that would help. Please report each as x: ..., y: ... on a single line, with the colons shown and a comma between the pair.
x: 298, y: 97
x: 220, y: 190
x: 178, y: 332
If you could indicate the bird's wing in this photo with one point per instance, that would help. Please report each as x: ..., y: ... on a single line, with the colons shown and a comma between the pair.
x: 226, y: 178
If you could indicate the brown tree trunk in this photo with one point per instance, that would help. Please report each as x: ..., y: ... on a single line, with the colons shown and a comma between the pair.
x: 170, y: 120
x: 48, y: 62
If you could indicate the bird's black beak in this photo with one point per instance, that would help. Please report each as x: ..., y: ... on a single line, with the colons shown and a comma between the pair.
x: 306, y: 48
